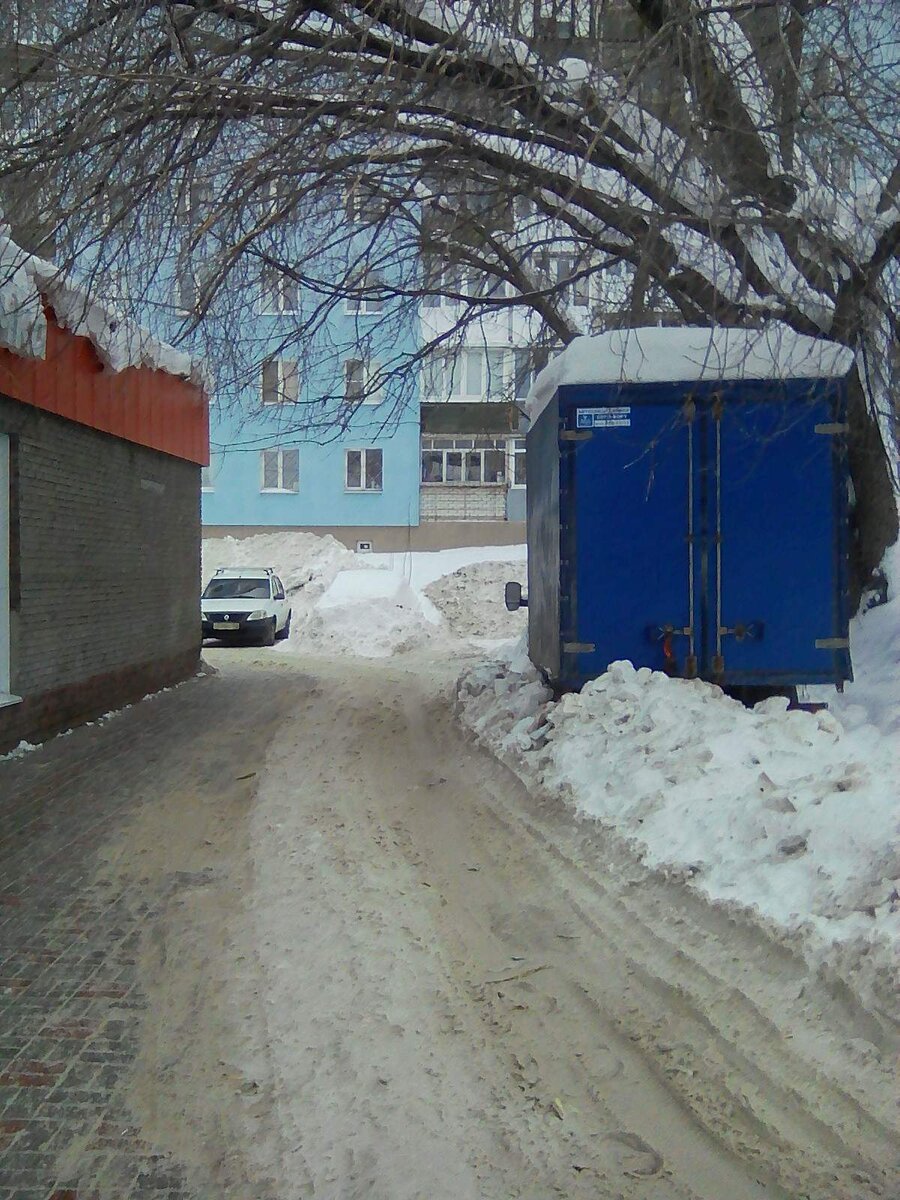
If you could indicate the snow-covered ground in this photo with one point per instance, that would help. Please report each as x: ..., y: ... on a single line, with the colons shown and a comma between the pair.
x: 789, y: 814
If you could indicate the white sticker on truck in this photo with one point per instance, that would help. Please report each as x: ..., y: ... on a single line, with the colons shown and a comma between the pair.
x: 602, y: 418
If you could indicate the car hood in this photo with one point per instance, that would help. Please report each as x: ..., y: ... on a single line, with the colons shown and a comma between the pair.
x: 239, y: 606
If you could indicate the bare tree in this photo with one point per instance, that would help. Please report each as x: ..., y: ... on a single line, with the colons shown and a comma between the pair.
x: 733, y: 162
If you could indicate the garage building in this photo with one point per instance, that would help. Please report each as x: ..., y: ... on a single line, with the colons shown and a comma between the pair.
x: 103, y: 433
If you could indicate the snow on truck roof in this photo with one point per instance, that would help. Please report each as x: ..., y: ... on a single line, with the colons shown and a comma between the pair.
x: 26, y: 281
x: 686, y: 355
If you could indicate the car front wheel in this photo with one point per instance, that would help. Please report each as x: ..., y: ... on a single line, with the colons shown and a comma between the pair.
x: 284, y: 633
x: 268, y: 638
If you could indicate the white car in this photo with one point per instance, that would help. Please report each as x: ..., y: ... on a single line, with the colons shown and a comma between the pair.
x: 245, y: 603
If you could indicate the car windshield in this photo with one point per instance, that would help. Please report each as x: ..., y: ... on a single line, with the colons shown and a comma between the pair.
x: 237, y: 589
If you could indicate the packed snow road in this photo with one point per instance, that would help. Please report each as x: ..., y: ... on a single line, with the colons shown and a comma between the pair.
x: 422, y: 982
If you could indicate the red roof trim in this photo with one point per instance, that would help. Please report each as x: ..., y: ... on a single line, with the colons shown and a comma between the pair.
x: 140, y: 404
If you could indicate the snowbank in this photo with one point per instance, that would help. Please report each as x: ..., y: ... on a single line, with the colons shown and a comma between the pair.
x: 422, y: 567
x: 651, y: 355
x: 470, y: 600
x: 305, y: 562
x: 790, y: 815
x: 372, y: 613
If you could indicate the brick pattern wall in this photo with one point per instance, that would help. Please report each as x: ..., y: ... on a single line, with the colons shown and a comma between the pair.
x: 105, y: 570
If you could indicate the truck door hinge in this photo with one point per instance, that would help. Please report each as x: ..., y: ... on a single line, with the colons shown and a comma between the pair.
x: 832, y: 643
x: 576, y: 435
x: 578, y: 647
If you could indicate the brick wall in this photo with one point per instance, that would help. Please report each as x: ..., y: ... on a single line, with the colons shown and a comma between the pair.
x: 104, y: 571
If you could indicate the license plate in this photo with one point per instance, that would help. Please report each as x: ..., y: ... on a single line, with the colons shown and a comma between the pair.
x: 226, y: 625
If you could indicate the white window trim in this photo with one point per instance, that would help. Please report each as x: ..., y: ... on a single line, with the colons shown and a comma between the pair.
x: 501, y: 446
x: 6, y: 696
x: 362, y: 489
x: 512, y: 454
x: 358, y: 306
x: 371, y: 370
x: 276, y: 294
x: 280, y: 490
x: 281, y: 397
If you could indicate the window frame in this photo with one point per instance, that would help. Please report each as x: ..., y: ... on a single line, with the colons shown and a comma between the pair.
x: 363, y: 452
x: 368, y: 397
x: 280, y: 489
x: 281, y: 385
x: 363, y: 203
x: 366, y: 306
x: 517, y: 451
x: 273, y: 300
x: 468, y: 448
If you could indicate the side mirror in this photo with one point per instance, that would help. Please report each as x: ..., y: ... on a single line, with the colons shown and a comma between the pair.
x: 513, y: 598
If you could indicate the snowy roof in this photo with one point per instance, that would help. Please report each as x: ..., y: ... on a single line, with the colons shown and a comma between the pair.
x: 652, y: 355
x: 26, y: 280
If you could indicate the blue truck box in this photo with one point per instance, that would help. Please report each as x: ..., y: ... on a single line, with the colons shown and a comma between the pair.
x: 697, y: 526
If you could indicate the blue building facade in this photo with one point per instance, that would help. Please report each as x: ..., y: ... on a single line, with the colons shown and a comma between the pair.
x: 330, y: 440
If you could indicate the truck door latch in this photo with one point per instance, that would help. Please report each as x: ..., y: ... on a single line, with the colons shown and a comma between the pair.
x: 754, y: 630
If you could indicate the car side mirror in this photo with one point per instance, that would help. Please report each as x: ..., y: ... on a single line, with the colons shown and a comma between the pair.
x: 513, y: 598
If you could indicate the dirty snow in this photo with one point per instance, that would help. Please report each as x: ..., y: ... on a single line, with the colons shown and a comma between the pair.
x: 371, y: 613
x: 471, y: 600
x: 791, y: 815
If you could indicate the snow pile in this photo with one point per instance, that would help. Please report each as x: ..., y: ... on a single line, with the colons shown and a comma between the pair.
x: 372, y: 613
x: 471, y: 600
x: 652, y: 355
x: 872, y: 701
x: 787, y: 814
x: 305, y: 562
x: 422, y: 567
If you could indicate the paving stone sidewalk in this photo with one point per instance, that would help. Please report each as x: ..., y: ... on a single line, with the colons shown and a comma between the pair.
x: 70, y: 994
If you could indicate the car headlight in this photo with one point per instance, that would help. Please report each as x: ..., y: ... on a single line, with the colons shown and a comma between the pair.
x: 259, y: 615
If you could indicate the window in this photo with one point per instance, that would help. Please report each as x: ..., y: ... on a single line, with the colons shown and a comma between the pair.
x: 361, y: 381
x: 517, y: 462
x: 194, y: 201
x: 563, y: 19
x: 206, y: 479
x: 363, y: 202
x: 280, y: 292
x: 526, y: 365
x: 280, y: 381
x: 363, y: 470
x: 524, y: 208
x: 247, y: 587
x: 280, y: 470
x: 366, y: 302
x: 465, y: 460
x: 454, y: 376
x: 564, y: 267
x: 278, y: 194
x: 193, y: 286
